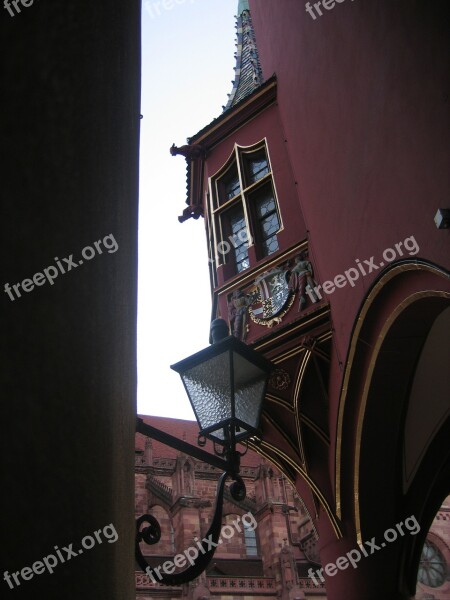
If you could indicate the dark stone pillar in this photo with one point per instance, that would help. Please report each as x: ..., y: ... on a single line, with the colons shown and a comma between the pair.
x: 69, y: 127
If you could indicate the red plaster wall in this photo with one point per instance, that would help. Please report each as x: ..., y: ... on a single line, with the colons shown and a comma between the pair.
x: 363, y: 95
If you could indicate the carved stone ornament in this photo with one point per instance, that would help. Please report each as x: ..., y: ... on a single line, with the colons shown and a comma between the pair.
x: 280, y: 379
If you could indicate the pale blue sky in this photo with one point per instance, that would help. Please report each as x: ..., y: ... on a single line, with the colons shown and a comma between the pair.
x: 187, y: 69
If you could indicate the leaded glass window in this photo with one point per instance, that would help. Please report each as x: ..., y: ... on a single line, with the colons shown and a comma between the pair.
x: 268, y: 222
x: 432, y: 566
x: 250, y: 541
x: 230, y: 185
x: 238, y: 228
x: 256, y: 166
x: 244, y: 209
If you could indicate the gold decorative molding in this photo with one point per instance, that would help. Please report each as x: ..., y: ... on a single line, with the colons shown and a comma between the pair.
x: 283, y: 434
x: 394, y: 272
x: 297, y: 469
x: 298, y: 385
x: 320, y: 314
x: 241, y: 280
x: 362, y: 409
x: 280, y: 402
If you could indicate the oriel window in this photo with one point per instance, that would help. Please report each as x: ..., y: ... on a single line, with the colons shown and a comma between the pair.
x: 244, y: 208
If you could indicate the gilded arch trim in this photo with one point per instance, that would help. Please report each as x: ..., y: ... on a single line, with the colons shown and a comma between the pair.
x: 367, y: 384
x: 281, y: 465
x: 377, y: 288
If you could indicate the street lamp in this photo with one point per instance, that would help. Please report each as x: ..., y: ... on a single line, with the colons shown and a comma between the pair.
x: 226, y: 385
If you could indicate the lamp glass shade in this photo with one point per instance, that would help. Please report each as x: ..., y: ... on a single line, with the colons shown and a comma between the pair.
x: 226, y: 385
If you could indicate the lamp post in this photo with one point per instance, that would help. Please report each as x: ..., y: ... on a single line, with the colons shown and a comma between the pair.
x: 226, y: 385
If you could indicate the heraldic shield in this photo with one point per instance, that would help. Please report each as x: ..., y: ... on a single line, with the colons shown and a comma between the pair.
x: 271, y: 296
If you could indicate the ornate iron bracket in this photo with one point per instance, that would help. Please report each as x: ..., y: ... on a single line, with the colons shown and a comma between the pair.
x: 204, y: 548
x: 151, y: 534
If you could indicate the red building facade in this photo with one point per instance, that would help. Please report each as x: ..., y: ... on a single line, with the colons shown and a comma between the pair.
x: 268, y: 541
x: 272, y: 555
x: 320, y: 186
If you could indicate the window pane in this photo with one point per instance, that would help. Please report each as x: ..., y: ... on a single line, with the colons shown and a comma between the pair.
x: 256, y: 167
x: 240, y: 253
x: 270, y: 245
x: 230, y: 186
x: 432, y: 567
x: 237, y: 221
x: 270, y: 225
x: 239, y: 238
x: 266, y: 205
x: 268, y: 222
x: 241, y: 266
x: 250, y: 542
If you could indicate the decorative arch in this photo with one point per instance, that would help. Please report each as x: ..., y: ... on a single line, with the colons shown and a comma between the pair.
x: 389, y: 336
x: 295, y: 434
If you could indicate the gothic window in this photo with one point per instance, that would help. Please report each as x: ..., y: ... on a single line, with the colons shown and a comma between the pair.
x: 432, y: 566
x: 244, y: 208
x: 250, y: 541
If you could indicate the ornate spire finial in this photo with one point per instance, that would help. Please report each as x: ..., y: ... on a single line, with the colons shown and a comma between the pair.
x: 248, y: 73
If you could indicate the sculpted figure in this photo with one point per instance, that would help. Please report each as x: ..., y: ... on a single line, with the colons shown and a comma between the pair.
x: 237, y: 314
x: 189, y: 151
x: 302, y: 275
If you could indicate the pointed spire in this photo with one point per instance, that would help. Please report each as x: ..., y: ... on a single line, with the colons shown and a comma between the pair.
x: 248, y: 73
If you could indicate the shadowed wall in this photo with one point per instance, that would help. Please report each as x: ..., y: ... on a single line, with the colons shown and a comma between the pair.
x: 70, y: 135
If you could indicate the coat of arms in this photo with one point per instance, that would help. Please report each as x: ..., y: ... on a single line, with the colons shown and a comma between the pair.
x: 272, y: 297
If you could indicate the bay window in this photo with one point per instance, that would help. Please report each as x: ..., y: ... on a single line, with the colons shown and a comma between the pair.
x: 244, y: 208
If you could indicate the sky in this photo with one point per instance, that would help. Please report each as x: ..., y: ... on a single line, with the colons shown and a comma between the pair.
x: 187, y: 71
